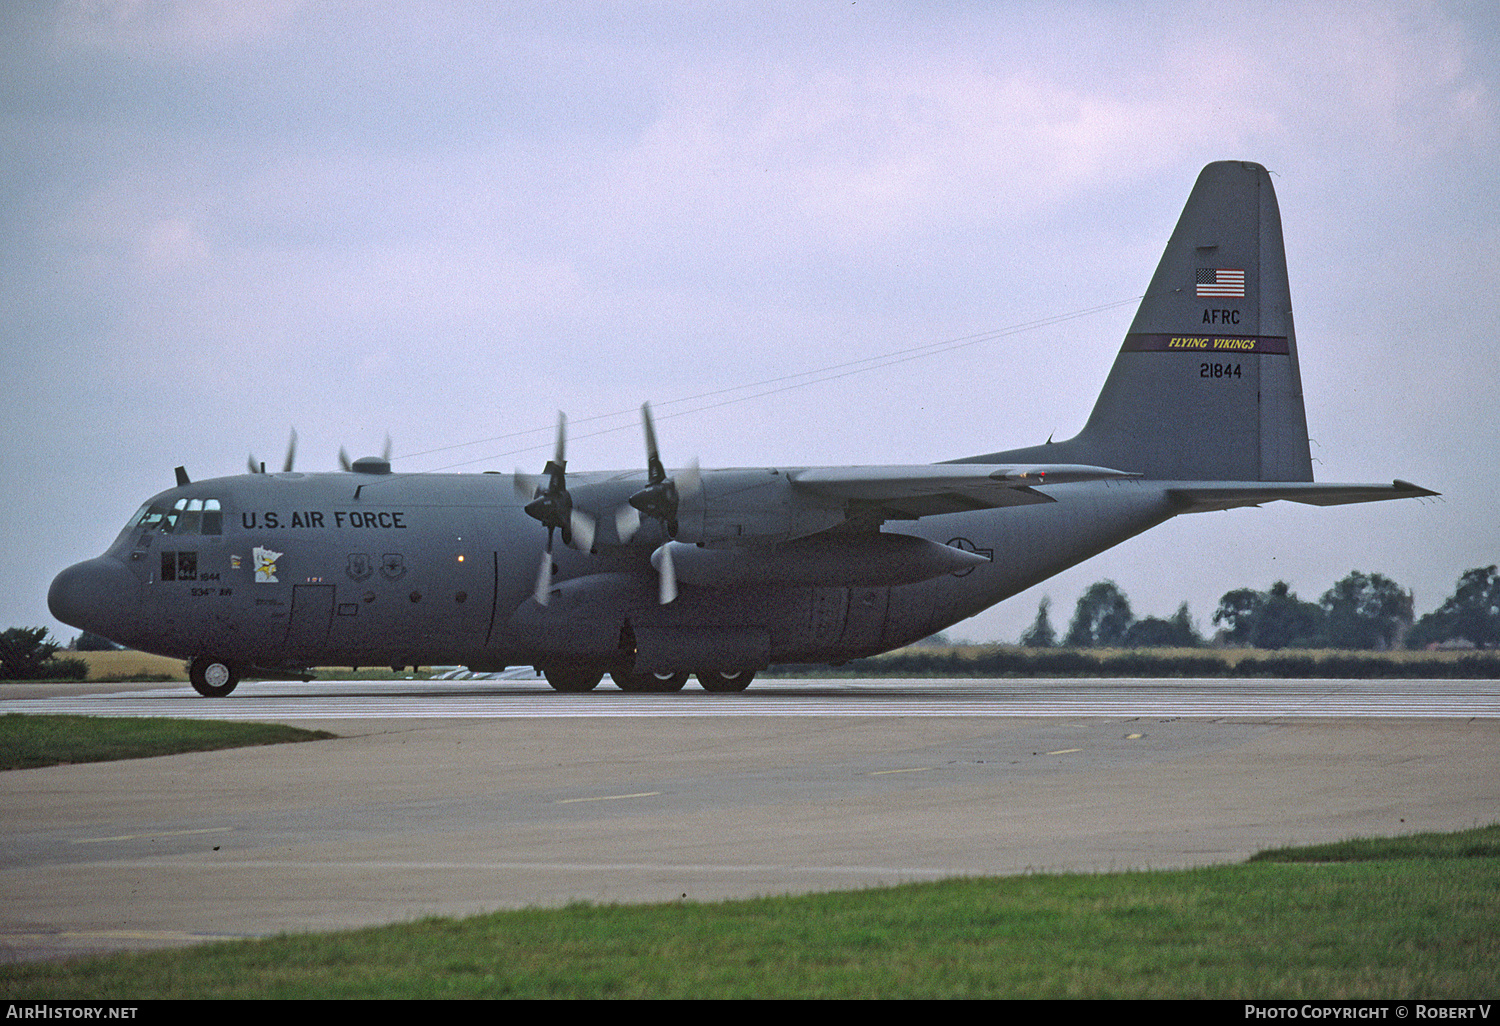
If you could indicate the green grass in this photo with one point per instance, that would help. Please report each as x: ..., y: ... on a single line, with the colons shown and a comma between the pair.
x: 1479, y: 843
x: 1425, y: 923
x: 27, y: 742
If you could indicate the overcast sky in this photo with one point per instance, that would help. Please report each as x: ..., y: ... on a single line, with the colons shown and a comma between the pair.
x: 225, y: 219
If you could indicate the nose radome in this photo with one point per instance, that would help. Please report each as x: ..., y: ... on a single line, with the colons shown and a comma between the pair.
x: 97, y: 595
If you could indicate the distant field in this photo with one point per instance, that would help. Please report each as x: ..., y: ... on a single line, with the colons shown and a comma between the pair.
x: 132, y: 665
x: 129, y: 664
x: 1015, y: 661
x: 1229, y: 656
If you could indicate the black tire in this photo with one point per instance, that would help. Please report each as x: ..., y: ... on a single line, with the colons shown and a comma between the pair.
x: 725, y: 683
x: 632, y: 683
x: 213, y: 678
x: 573, y: 680
x: 649, y: 683
x: 663, y: 683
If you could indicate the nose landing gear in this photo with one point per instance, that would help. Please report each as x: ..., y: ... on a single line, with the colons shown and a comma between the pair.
x: 212, y: 678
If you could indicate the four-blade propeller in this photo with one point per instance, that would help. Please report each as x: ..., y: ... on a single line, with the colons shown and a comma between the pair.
x: 553, y: 506
x: 662, y: 496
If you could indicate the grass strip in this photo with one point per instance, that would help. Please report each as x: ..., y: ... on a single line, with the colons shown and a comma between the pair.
x: 1478, y: 843
x: 1421, y: 925
x: 27, y: 742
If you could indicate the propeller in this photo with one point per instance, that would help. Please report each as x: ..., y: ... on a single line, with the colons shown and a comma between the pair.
x: 662, y: 495
x: 258, y: 467
x: 553, y: 506
x: 348, y: 464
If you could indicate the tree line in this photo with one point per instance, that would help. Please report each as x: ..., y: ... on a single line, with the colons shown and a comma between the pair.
x: 1361, y: 611
x: 26, y: 653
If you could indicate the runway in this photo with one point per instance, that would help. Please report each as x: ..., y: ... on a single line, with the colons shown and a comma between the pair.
x: 282, y: 701
x: 448, y: 798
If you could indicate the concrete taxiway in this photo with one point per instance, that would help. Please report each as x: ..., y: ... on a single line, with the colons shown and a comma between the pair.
x: 441, y: 798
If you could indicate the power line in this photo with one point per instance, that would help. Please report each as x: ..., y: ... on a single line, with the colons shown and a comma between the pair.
x: 768, y: 386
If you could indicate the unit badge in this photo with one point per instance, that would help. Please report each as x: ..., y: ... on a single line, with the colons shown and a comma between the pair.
x: 265, y: 565
x: 359, y: 567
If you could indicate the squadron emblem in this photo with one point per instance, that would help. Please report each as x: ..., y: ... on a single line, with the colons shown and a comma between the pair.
x: 265, y: 565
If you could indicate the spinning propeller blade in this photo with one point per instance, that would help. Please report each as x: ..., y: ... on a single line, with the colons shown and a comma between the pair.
x: 663, y: 495
x: 259, y: 467
x: 552, y: 506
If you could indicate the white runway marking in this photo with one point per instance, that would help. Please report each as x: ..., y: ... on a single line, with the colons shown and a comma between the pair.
x: 1037, y: 698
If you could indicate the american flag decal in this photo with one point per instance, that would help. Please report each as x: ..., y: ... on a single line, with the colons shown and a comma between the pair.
x: 1221, y: 281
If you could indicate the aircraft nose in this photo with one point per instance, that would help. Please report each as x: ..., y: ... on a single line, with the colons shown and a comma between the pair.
x: 97, y: 595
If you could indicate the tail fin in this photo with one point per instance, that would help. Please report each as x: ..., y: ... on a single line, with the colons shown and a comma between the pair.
x: 1206, y: 386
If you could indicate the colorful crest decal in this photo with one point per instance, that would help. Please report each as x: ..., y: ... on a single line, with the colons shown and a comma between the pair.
x: 265, y: 565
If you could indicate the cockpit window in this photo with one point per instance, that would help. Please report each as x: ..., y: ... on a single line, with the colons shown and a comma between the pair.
x: 154, y: 518
x: 185, y: 516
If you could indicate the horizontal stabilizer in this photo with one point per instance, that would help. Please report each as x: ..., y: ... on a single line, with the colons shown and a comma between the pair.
x: 928, y: 490
x: 1199, y: 498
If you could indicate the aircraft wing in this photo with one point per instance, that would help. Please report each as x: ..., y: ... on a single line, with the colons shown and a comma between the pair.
x: 907, y: 493
x: 1199, y: 498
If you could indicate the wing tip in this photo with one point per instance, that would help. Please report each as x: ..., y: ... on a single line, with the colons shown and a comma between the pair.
x: 1412, y: 490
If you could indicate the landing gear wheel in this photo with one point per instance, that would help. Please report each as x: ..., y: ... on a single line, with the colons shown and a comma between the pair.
x: 723, y: 683
x: 650, y: 683
x: 572, y: 679
x: 663, y: 683
x: 633, y: 683
x: 212, y: 678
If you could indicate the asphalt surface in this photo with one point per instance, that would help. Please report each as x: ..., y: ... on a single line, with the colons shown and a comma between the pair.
x: 448, y: 798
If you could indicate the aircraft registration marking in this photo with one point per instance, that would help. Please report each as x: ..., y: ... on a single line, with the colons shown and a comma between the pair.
x: 1219, y: 370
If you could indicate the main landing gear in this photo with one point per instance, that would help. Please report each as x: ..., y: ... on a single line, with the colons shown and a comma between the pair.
x: 722, y: 683
x: 579, y: 679
x: 649, y: 683
x: 574, y: 680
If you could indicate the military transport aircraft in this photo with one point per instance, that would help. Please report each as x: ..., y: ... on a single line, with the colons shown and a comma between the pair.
x: 721, y: 573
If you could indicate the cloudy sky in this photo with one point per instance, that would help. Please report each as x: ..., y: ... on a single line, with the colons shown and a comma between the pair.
x: 445, y: 221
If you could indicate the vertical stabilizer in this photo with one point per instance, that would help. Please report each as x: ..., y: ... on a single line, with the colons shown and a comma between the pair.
x: 1206, y: 386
